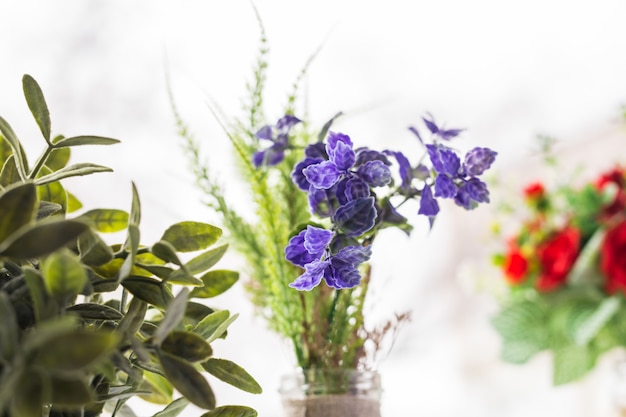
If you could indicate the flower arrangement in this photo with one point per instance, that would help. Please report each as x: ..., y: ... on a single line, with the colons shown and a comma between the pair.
x: 320, y: 201
x: 566, y: 273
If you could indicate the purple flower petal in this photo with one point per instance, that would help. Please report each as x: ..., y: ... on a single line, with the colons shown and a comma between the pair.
x: 416, y: 133
x: 342, y: 277
x: 311, y: 277
x: 356, y: 217
x: 286, y: 122
x: 298, y: 177
x: 428, y: 205
x: 354, y: 188
x: 316, y: 239
x: 375, y: 173
x: 319, y: 202
x: 431, y: 125
x: 323, y: 175
x: 296, y: 253
x: 364, y: 155
x: 478, y: 160
x: 269, y: 157
x: 444, y: 187
x: 477, y: 190
x: 316, y: 150
x: 354, y: 255
x: 265, y: 133
x: 342, y: 156
x: 464, y: 199
x: 444, y: 160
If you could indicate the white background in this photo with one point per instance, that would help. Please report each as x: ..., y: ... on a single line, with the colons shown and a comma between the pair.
x: 506, y: 71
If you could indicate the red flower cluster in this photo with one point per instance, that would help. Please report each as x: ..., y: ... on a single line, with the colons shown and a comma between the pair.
x: 548, y: 245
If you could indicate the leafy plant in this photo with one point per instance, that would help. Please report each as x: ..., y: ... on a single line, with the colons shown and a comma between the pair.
x: 299, y: 239
x: 564, y: 266
x: 85, y: 324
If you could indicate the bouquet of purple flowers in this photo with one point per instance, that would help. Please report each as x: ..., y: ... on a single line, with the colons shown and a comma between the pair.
x: 320, y: 201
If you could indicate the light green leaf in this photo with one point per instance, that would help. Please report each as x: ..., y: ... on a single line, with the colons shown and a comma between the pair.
x: 37, y: 105
x: 215, y: 283
x: 107, y: 220
x: 174, y: 408
x: 58, y: 158
x: 214, y: 325
x: 571, y: 363
x: 135, y: 208
x: 75, y: 170
x: 53, y: 192
x: 73, y: 203
x: 9, y: 174
x: 42, y: 238
x: 161, y: 391
x: 232, y: 374
x: 173, y: 316
x: 200, y: 263
x: 85, y: 140
x: 587, y: 328
x: 18, y: 208
x: 584, y: 271
x: 187, y: 380
x: 132, y: 246
x: 63, y: 274
x: 231, y: 411
x: 191, y: 236
x: 18, y: 152
x: 187, y: 345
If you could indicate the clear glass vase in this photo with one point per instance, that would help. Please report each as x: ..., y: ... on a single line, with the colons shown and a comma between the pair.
x: 331, y: 393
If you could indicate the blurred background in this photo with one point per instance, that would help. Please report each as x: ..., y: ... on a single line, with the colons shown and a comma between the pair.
x: 505, y: 71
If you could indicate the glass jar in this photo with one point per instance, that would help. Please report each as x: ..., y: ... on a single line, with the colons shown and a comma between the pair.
x: 331, y: 393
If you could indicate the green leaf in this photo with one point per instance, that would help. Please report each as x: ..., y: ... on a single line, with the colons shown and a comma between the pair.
x: 94, y: 311
x: 187, y: 380
x: 93, y: 250
x: 73, y: 203
x: 584, y: 271
x: 47, y: 209
x: 134, y: 317
x: 166, y: 251
x: 58, y: 159
x: 18, y: 208
x: 42, y: 239
x: 571, y: 363
x: 232, y: 374
x: 53, y: 192
x: 149, y: 290
x: 75, y: 170
x: 135, y: 208
x: 173, y: 316
x: 231, y: 411
x: 18, y: 152
x: 132, y: 246
x: 8, y: 329
x: 161, y: 391
x: 74, y: 349
x: 523, y: 331
x: 43, y: 304
x: 70, y: 392
x: 200, y: 263
x: 187, y: 345
x: 214, y: 325
x: 586, y: 328
x: 215, y: 283
x: 107, y: 220
x: 37, y: 105
x: 9, y: 174
x: 27, y: 399
x: 191, y: 236
x: 85, y: 140
x: 174, y: 408
x: 63, y: 274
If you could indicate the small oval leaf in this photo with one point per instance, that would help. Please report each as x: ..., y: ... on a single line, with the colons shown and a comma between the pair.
x: 231, y: 411
x: 215, y: 283
x: 187, y: 345
x: 42, y: 239
x: 17, y: 205
x: 232, y: 374
x: 173, y: 316
x: 63, y: 274
x: 187, y: 380
x: 149, y: 290
x: 37, y: 105
x: 107, y: 220
x: 191, y: 236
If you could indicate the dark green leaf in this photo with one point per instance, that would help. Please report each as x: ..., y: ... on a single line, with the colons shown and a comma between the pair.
x: 75, y: 170
x: 74, y: 350
x: 173, y: 316
x: 43, y: 304
x: 93, y: 250
x: 197, y: 311
x: 63, y: 275
x: 191, y: 236
x: 166, y: 251
x: 174, y: 408
x: 70, y: 392
x: 18, y: 152
x: 134, y: 317
x: 200, y: 263
x: 149, y: 290
x: 215, y: 283
x: 8, y: 329
x: 27, y: 399
x: 94, y: 311
x: 85, y: 140
x: 231, y: 411
x: 41, y: 239
x: 107, y: 220
x: 187, y: 345
x: 37, y: 105
x: 18, y: 207
x: 47, y: 209
x: 232, y: 374
x: 187, y: 380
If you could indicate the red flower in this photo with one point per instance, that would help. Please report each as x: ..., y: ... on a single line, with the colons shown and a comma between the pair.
x: 534, y: 191
x: 515, y: 266
x: 616, y: 177
x: 613, y: 258
x: 556, y: 257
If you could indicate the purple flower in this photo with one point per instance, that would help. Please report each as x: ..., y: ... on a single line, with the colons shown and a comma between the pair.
x: 444, y: 160
x: 356, y: 217
x: 279, y: 136
x: 298, y: 177
x: 374, y: 173
x: 445, y: 134
x: 428, y: 205
x: 308, y: 246
x: 478, y: 160
x: 445, y: 187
